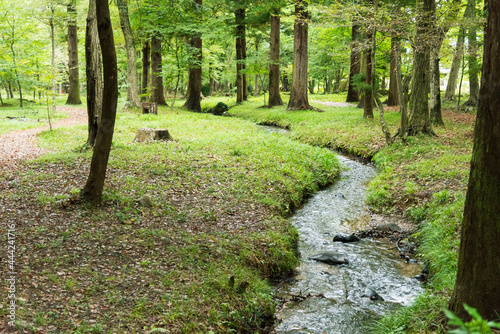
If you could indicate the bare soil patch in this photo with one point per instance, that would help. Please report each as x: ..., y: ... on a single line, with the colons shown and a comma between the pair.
x: 22, y: 144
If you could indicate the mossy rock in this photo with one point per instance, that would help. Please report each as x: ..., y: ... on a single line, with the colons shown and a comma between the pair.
x: 219, y: 109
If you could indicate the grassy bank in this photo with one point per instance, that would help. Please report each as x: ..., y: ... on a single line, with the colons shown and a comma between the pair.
x: 220, y: 192
x: 423, y: 179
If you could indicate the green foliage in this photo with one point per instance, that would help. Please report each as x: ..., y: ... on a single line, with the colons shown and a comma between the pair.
x: 475, y: 326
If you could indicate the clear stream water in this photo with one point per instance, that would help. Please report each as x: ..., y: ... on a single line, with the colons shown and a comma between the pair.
x: 372, y: 264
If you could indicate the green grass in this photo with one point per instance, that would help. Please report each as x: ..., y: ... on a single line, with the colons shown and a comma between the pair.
x: 222, y: 190
x: 423, y: 179
x: 216, y: 173
x: 31, y: 115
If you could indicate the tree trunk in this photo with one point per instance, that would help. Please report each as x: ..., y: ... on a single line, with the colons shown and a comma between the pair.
x: 402, y: 92
x: 312, y: 84
x: 298, y: 94
x: 274, y: 64
x: 95, y: 182
x: 472, y: 58
x: 284, y: 78
x: 435, y: 89
x: 52, y: 59
x: 435, y: 75
x: 194, y: 82
x: 451, y: 86
x: 241, y: 53
x: 132, y: 82
x: 74, y: 77
x: 156, y: 72
x: 352, y: 93
x: 479, y: 254
x: 368, y: 97
x: 393, y: 98
x: 419, y: 116
x: 146, y: 53
x: 94, y: 75
x: 328, y: 85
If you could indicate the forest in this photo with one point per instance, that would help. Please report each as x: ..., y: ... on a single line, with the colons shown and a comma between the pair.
x: 155, y: 155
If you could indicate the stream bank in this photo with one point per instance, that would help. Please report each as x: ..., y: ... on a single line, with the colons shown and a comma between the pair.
x: 345, y: 298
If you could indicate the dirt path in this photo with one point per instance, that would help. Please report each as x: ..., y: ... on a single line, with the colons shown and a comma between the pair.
x: 22, y: 144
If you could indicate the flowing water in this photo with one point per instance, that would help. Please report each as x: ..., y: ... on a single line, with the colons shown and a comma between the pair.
x: 337, y: 304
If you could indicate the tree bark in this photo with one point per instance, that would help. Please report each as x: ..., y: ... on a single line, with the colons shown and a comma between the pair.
x: 95, y: 182
x: 274, y: 64
x: 74, y: 77
x: 393, y: 97
x: 479, y: 254
x: 94, y: 74
x: 146, y: 53
x: 132, y: 82
x: 352, y: 93
x: 241, y: 53
x: 435, y: 74
x: 368, y: 97
x: 156, y: 72
x: 419, y: 116
x: 298, y: 94
x: 403, y: 93
x: 472, y: 57
x: 435, y: 89
x: 52, y: 59
x: 194, y: 82
x: 285, y: 83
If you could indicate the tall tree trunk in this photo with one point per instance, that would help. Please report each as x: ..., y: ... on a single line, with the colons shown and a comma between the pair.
x: 435, y: 87
x: 352, y: 93
x: 435, y: 75
x: 74, y: 76
x: 472, y: 57
x: 298, y: 94
x: 156, y: 72
x: 393, y: 98
x: 451, y: 86
x: 146, y: 63
x: 479, y: 254
x: 402, y: 93
x: 16, y: 75
x: 52, y: 58
x: 274, y: 64
x: 368, y: 97
x: 132, y: 82
x: 194, y: 81
x: 95, y: 182
x: 419, y: 116
x: 241, y: 78
x: 94, y: 74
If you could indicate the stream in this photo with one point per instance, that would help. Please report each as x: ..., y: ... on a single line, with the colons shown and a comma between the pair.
x: 337, y: 304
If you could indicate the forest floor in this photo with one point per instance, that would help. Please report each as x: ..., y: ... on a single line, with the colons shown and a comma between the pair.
x: 220, y: 194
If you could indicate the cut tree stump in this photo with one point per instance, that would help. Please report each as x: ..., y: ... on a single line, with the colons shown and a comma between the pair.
x: 149, y: 108
x: 147, y: 135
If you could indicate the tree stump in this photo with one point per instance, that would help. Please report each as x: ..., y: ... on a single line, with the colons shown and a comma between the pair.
x: 149, y: 108
x: 147, y: 135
